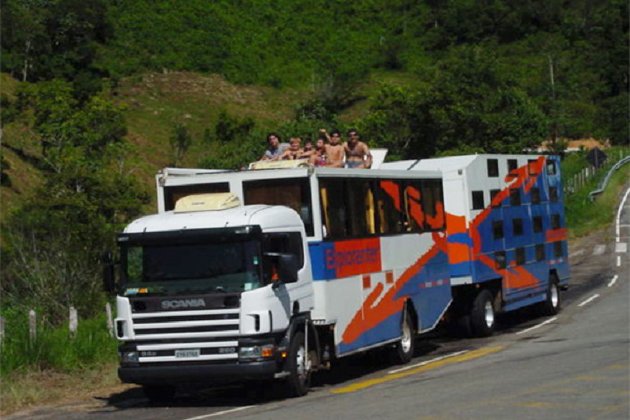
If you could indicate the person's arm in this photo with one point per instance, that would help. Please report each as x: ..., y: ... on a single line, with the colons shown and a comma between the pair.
x: 325, y: 133
x: 367, y: 162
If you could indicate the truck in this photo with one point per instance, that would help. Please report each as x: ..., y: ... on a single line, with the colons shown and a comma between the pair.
x: 270, y: 275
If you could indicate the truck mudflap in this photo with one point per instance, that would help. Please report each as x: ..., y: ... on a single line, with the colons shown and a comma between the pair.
x: 210, y: 374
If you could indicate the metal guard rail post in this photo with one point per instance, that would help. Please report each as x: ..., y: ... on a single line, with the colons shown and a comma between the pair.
x: 602, y: 185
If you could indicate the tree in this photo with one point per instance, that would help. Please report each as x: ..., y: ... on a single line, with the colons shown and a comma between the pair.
x: 55, y: 239
x: 470, y: 103
x: 180, y: 141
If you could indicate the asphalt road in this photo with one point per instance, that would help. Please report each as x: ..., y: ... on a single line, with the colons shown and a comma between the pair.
x: 572, y: 366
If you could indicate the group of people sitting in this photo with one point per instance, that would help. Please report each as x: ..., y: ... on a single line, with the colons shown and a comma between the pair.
x: 328, y: 150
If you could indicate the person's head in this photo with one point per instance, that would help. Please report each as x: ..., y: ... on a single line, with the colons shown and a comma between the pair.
x: 335, y: 137
x: 273, y: 140
x: 353, y: 135
x: 321, y: 143
x: 308, y: 146
x: 295, y: 143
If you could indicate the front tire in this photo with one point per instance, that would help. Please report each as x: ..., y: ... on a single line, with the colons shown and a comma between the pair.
x: 405, y: 348
x: 298, y: 382
x: 552, y: 303
x: 482, y: 316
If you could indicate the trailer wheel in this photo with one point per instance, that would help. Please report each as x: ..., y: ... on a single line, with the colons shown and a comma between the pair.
x: 482, y: 316
x: 405, y: 347
x: 159, y: 393
x: 551, y: 305
x: 298, y: 382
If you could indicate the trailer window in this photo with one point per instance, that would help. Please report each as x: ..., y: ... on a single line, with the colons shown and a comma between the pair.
x: 520, y: 256
x: 535, y: 192
x: 497, y: 229
x: 557, y: 249
x: 517, y: 226
x: 493, y: 168
x: 538, y: 224
x: 512, y: 164
x: 493, y: 194
x: 499, y: 259
x: 433, y: 204
x: 388, y: 208
x: 334, y: 216
x: 415, y: 217
x: 555, y: 221
x: 551, y: 167
x: 477, y: 200
x: 515, y: 197
x: 290, y: 192
x: 540, y: 252
x: 532, y: 167
x: 361, y: 219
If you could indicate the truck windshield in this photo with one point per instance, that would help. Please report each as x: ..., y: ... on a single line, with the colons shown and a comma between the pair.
x: 191, y: 268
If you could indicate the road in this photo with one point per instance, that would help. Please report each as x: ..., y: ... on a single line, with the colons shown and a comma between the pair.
x: 573, y: 365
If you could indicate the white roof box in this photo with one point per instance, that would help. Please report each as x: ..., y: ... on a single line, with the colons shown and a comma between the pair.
x: 206, y: 202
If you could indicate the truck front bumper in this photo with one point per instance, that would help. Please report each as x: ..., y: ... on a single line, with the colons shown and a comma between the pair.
x: 210, y: 374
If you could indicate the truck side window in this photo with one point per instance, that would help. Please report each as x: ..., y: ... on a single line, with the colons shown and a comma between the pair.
x: 281, y: 243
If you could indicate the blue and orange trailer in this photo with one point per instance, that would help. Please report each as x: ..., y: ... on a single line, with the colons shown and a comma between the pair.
x: 507, y: 235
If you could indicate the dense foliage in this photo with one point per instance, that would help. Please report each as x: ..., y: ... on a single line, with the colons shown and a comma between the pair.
x: 564, y: 58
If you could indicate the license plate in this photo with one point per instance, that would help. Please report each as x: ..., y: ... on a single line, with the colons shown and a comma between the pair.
x: 188, y: 353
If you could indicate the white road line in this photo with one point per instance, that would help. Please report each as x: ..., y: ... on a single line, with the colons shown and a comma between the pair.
x: 592, y: 298
x: 623, y: 201
x: 576, y: 253
x: 599, y: 249
x: 618, y: 260
x: 220, y: 413
x: 613, y: 281
x: 550, y: 320
x: 426, y: 362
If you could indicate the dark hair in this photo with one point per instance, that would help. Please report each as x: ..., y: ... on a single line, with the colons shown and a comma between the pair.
x: 272, y: 134
x: 335, y: 131
x: 353, y: 130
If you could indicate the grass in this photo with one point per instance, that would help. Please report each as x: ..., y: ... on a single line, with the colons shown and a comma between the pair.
x: 54, y: 348
x: 584, y: 215
x: 54, y: 365
x: 22, y: 390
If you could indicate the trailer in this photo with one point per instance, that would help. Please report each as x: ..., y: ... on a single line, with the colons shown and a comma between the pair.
x: 507, y: 235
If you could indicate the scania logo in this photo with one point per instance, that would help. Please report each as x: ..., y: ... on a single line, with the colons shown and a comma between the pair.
x: 183, y: 303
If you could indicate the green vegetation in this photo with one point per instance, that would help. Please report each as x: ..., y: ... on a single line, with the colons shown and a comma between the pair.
x: 54, y: 347
x: 584, y: 215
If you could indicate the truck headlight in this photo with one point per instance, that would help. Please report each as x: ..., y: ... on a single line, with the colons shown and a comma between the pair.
x: 129, y: 357
x: 250, y: 353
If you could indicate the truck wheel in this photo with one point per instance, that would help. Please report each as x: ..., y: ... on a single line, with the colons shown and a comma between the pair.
x: 298, y: 382
x: 159, y: 393
x: 405, y: 347
x: 551, y: 305
x: 482, y: 314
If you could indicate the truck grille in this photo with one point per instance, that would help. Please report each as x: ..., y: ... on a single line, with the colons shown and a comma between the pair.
x: 181, y: 336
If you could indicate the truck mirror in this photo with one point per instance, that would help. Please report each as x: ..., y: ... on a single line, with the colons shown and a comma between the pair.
x: 109, y: 275
x: 288, y: 268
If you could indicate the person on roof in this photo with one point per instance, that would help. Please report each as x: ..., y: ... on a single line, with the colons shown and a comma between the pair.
x: 357, y: 152
x: 334, y: 150
x: 294, y: 151
x: 275, y: 149
x: 319, y: 158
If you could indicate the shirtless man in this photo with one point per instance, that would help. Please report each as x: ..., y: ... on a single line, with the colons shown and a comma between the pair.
x: 357, y: 153
x: 334, y: 150
x: 275, y: 149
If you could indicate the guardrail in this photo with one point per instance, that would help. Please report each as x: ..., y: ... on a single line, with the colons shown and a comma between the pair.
x: 602, y: 185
